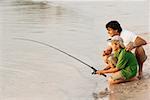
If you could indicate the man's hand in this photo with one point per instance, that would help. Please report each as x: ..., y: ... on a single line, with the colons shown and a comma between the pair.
x: 130, y: 46
x: 107, y: 52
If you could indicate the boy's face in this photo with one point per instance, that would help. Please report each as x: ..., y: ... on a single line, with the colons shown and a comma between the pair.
x: 111, y: 32
x: 115, y: 45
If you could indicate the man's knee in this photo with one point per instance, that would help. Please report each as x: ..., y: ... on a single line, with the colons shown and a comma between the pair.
x: 105, y: 58
x: 139, y: 50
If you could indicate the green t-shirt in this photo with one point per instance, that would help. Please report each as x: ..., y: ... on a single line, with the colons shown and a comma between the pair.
x: 127, y: 63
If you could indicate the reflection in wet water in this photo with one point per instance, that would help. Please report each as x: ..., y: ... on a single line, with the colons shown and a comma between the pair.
x: 38, y: 72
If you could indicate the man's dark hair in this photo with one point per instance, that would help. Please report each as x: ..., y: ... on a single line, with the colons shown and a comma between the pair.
x: 114, y: 25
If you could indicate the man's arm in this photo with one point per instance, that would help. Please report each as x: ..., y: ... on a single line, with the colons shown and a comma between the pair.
x: 137, y: 43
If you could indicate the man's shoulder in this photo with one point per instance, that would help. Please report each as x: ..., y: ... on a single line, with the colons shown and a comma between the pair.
x: 128, y: 36
x: 126, y: 32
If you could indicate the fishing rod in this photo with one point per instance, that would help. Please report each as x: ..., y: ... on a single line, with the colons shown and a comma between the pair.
x: 94, y: 70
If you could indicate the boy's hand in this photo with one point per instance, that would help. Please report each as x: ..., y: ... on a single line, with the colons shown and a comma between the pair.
x: 100, y: 72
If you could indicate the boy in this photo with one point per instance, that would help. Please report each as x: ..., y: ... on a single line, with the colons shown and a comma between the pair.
x: 131, y: 41
x: 126, y: 66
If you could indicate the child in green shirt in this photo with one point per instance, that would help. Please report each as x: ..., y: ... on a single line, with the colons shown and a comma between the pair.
x: 125, y: 68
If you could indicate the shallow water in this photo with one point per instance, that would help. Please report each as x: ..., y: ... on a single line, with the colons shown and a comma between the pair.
x: 31, y: 71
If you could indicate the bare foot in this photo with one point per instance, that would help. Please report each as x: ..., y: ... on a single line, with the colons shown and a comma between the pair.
x: 140, y: 76
x: 134, y: 79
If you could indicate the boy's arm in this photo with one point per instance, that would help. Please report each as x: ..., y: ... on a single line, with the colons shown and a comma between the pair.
x: 111, y: 70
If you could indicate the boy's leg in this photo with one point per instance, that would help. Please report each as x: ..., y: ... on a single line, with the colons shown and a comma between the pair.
x: 116, y: 78
x: 111, y: 61
x: 141, y: 58
x: 111, y: 81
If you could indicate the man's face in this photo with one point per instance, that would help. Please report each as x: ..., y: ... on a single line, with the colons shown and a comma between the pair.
x: 111, y: 32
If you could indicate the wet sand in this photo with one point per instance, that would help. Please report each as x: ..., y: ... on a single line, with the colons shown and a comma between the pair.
x: 135, y: 90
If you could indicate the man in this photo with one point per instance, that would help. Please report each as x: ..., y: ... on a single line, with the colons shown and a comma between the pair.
x: 131, y: 41
x: 125, y: 68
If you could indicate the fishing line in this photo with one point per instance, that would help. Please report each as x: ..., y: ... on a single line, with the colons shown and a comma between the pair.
x: 94, y: 70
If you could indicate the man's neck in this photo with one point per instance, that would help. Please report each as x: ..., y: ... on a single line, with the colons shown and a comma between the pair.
x: 116, y: 34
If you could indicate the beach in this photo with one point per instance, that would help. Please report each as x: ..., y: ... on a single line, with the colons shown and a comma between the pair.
x: 33, y: 71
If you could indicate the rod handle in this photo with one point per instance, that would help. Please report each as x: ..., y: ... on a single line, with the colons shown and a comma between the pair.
x: 94, y: 72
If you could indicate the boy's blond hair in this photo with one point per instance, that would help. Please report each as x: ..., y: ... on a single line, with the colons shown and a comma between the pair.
x: 118, y: 42
x: 117, y: 39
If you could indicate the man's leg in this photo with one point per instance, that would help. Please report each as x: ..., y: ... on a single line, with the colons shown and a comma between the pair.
x: 141, y: 58
x: 105, y: 58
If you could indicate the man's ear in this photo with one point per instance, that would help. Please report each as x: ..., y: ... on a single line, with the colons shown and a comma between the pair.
x: 116, y: 31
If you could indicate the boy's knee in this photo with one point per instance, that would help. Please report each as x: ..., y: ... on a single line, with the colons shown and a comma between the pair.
x: 112, y: 60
